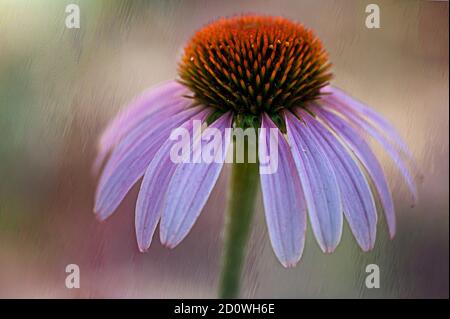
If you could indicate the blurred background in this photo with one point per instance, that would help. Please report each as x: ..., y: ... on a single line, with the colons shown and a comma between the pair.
x: 59, y: 87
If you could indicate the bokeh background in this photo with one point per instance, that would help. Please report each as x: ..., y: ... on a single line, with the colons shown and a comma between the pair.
x: 59, y: 87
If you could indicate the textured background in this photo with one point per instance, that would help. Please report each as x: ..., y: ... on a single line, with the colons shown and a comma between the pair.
x: 59, y: 87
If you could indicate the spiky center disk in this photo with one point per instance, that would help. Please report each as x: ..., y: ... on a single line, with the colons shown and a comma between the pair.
x: 251, y: 64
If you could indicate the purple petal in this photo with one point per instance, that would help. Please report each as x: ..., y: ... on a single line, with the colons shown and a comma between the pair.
x: 387, y: 146
x: 147, y: 127
x: 190, y: 188
x: 357, y: 199
x: 119, y: 176
x: 153, y: 190
x: 362, y: 150
x: 149, y: 103
x: 319, y: 183
x: 285, y: 208
x: 357, y: 107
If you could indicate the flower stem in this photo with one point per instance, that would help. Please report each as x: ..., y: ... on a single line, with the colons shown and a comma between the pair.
x: 241, y: 201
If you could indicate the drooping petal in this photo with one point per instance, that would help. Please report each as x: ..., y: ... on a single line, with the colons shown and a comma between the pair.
x: 356, y: 195
x: 362, y: 150
x: 120, y: 175
x: 319, y: 183
x: 284, y: 204
x: 356, y: 107
x: 384, y: 142
x: 149, y: 103
x: 153, y: 189
x: 191, y: 186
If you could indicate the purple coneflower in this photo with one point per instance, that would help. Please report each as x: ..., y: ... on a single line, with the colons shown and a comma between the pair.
x: 255, y: 71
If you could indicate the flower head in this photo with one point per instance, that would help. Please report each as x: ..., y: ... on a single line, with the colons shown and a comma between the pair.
x: 253, y: 64
x: 259, y: 72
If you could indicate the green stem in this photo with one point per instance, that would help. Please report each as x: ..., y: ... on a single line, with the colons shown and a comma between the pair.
x: 241, y: 201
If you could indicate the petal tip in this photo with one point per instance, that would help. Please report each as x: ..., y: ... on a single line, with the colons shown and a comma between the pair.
x: 168, y: 241
x: 329, y: 249
x: 289, y: 264
x: 368, y: 248
x: 99, y: 216
x: 143, y: 246
x: 142, y: 249
x: 168, y: 245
